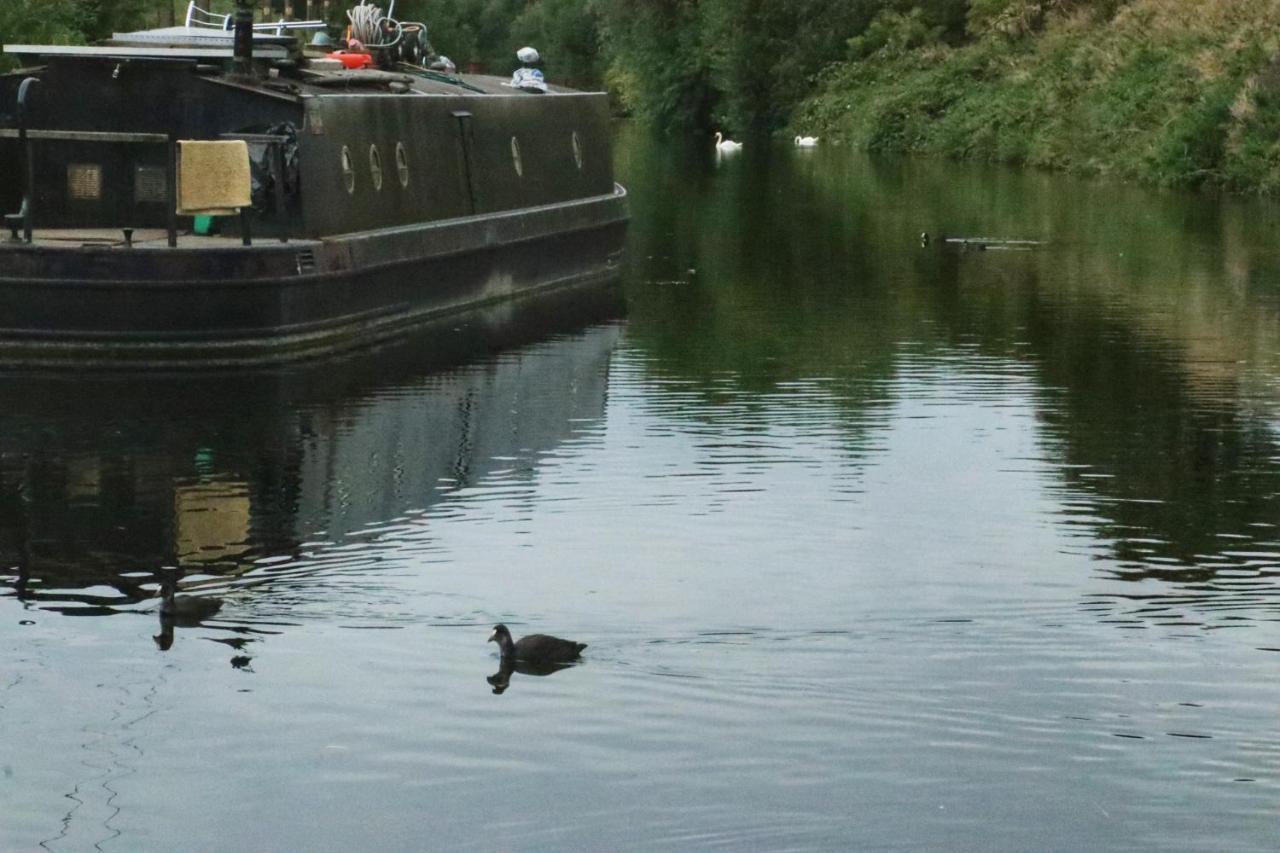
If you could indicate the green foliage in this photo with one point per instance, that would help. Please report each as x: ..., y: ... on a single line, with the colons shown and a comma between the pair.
x: 1008, y: 17
x: 1017, y: 18
x: 1153, y: 90
x: 1252, y: 157
x: 70, y: 21
x: 54, y: 21
x: 736, y: 64
x: 657, y: 50
x: 895, y: 32
x: 100, y: 18
x: 1191, y: 148
x: 67, y: 22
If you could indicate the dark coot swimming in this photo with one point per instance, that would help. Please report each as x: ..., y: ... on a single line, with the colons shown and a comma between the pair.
x: 535, y: 648
x: 181, y: 611
x: 186, y: 611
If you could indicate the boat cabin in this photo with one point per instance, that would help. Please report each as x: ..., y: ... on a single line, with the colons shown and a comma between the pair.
x: 332, y: 149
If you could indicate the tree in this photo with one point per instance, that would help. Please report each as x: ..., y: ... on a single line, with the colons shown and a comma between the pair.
x: 71, y: 21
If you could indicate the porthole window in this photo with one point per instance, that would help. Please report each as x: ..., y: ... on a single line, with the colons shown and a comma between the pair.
x: 348, y: 170
x: 402, y: 164
x: 375, y: 166
x: 515, y: 156
x: 577, y: 149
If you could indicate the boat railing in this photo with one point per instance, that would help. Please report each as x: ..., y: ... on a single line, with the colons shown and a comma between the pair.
x: 29, y: 140
x: 197, y: 17
x: 204, y: 19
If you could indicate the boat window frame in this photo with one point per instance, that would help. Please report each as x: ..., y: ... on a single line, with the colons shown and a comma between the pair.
x: 348, y: 170
x: 402, y: 165
x: 375, y: 167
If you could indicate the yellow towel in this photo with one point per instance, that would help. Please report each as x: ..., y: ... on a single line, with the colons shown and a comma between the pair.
x: 213, y: 177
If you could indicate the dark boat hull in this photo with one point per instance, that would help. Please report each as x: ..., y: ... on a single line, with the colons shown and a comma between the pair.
x: 225, y: 304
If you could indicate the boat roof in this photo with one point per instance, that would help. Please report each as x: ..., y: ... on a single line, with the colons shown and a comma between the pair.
x: 309, y: 73
x: 318, y: 77
x: 165, y: 43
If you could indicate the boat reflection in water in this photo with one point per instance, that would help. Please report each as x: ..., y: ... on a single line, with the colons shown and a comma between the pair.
x: 114, y: 488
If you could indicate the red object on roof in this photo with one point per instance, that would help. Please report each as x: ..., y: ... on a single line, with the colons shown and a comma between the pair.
x: 352, y: 60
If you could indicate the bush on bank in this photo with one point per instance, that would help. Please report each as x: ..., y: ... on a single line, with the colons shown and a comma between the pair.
x: 1176, y: 92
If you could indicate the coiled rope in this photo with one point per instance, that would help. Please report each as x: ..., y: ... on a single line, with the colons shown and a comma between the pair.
x: 367, y: 26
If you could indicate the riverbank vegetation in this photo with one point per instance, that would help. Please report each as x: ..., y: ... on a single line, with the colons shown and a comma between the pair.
x: 1166, y: 91
x: 1175, y: 92
x: 71, y: 21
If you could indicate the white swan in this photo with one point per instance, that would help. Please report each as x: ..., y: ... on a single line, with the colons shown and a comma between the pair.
x: 806, y: 142
x: 723, y: 144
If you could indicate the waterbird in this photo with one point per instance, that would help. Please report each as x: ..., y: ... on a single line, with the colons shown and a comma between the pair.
x: 806, y: 141
x: 184, y: 610
x: 723, y: 144
x: 536, y: 649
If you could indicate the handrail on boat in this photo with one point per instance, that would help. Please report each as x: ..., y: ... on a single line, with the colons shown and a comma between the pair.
x: 197, y: 17
x: 82, y: 135
x: 27, y: 138
x: 28, y: 150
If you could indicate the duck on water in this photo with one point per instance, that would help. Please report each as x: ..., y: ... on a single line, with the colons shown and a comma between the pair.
x: 535, y: 654
x: 535, y: 648
x: 181, y: 611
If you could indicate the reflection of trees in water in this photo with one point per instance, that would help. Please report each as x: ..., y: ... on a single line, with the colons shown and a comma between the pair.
x: 749, y: 286
x: 1171, y: 446
x: 1148, y: 320
x: 1149, y: 415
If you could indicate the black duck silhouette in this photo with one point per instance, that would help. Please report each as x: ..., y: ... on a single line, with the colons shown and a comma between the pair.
x: 536, y: 654
x: 535, y: 649
x: 181, y: 611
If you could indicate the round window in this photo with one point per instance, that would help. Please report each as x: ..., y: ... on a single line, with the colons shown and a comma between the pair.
x: 515, y: 156
x: 348, y: 170
x: 577, y: 149
x: 375, y: 166
x: 402, y: 164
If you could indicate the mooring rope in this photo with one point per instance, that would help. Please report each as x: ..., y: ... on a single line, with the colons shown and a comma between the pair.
x: 367, y: 26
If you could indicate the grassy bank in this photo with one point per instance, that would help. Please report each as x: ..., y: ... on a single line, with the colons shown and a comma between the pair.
x: 1174, y: 92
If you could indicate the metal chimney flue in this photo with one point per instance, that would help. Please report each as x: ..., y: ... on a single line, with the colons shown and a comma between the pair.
x: 244, y: 37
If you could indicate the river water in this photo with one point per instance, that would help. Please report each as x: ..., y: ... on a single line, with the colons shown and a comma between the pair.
x: 876, y: 546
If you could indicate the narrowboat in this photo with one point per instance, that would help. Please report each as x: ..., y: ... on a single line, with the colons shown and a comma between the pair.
x: 225, y: 193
